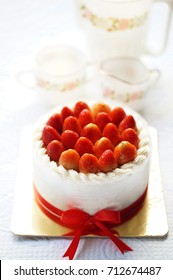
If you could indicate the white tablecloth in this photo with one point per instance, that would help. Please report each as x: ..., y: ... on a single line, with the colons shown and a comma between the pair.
x: 25, y: 26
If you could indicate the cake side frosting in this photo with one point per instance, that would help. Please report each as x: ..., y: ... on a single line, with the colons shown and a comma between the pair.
x: 91, y: 192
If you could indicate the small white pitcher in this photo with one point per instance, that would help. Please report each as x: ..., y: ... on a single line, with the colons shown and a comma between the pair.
x: 126, y: 80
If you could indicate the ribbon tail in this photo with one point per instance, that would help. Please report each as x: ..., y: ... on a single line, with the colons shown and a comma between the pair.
x: 74, y: 244
x: 118, y: 242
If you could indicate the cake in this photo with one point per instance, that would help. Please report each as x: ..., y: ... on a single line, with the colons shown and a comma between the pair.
x: 91, y: 192
x: 112, y: 182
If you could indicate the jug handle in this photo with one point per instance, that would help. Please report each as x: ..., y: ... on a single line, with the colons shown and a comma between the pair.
x: 148, y: 50
x: 154, y: 76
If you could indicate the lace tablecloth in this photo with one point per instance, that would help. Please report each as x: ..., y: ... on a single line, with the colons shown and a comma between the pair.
x: 25, y: 25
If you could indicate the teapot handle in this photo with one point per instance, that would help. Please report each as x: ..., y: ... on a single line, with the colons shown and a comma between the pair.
x: 163, y: 44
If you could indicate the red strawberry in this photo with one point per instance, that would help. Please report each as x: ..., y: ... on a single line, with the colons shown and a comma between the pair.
x: 69, y: 138
x: 69, y: 159
x: 56, y: 122
x: 88, y: 163
x: 117, y: 115
x: 127, y: 122
x: 102, y: 119
x: 125, y: 152
x: 54, y: 150
x: 91, y: 131
x: 66, y: 112
x: 79, y: 106
x: 111, y: 131
x: 102, y: 145
x: 131, y: 136
x: 107, y: 161
x: 49, y: 134
x: 100, y: 107
x: 71, y: 123
x: 85, y: 117
x: 83, y: 145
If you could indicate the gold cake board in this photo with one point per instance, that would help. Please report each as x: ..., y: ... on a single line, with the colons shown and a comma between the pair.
x: 28, y: 219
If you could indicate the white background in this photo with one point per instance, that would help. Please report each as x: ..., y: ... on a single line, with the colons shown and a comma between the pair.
x: 25, y: 26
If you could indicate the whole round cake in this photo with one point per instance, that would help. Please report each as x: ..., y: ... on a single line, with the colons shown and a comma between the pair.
x: 91, y: 156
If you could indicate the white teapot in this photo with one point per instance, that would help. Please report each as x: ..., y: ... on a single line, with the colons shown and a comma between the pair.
x: 121, y: 27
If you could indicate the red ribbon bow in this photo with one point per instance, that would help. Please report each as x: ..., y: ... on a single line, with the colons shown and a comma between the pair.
x: 89, y: 224
x: 82, y: 223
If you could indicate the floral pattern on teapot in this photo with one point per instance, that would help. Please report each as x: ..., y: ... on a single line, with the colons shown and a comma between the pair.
x: 113, y: 24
